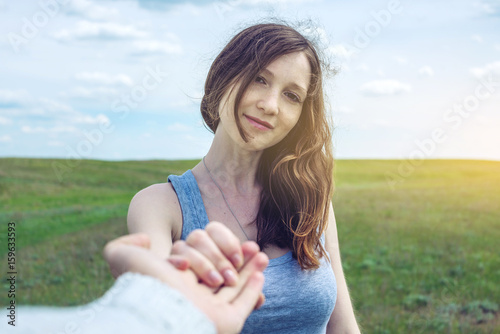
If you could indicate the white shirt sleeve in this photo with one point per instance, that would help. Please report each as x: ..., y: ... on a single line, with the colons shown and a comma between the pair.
x: 135, y: 304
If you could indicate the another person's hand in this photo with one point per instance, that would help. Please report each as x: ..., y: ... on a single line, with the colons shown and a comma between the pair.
x: 215, y: 254
x: 228, y: 307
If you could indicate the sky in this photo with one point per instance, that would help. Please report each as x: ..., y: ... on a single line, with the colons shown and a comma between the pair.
x: 123, y: 79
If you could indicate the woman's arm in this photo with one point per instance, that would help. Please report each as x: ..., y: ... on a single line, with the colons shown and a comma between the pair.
x: 156, y: 212
x: 215, y: 254
x: 342, y: 319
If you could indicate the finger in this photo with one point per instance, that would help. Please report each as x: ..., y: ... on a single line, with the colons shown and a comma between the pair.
x: 137, y: 239
x: 260, y: 301
x: 227, y: 242
x: 257, y: 263
x: 249, y: 249
x: 122, y: 254
x: 205, y: 244
x: 179, y: 262
x: 249, y: 297
x: 199, y: 264
x: 128, y: 257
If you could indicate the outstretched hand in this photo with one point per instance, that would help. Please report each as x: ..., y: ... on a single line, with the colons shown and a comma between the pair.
x: 227, y: 307
x: 214, y: 254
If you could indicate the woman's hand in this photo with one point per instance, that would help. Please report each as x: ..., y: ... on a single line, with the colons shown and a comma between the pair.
x: 215, y: 254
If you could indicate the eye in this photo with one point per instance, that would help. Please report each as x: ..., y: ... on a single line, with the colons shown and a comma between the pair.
x: 260, y: 79
x: 292, y: 96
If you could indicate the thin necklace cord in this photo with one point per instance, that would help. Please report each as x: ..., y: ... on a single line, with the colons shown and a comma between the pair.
x: 224, y: 197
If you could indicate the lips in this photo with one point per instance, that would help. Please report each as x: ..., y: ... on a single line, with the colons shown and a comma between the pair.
x: 259, y: 121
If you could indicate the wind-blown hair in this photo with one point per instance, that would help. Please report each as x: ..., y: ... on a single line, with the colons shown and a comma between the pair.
x: 296, y: 174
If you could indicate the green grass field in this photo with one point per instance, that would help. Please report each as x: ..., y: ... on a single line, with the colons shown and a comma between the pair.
x: 420, y: 257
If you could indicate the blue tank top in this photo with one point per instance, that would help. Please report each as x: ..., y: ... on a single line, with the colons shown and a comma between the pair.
x: 297, y: 301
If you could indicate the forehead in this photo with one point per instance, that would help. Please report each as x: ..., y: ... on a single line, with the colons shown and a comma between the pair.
x: 292, y: 68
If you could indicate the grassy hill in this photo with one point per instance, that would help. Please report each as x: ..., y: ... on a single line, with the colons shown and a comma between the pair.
x: 420, y: 253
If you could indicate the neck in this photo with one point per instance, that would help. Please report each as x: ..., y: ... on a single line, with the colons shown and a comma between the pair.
x: 233, y: 168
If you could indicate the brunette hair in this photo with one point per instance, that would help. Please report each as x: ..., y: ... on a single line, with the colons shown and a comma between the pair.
x: 297, y: 173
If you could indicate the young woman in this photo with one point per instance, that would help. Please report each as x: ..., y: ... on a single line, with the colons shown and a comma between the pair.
x: 268, y: 178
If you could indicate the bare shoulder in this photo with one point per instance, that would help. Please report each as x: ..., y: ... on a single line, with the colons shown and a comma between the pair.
x: 155, y: 210
x: 159, y: 195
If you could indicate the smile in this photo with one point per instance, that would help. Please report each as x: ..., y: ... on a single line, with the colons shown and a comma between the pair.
x: 257, y: 123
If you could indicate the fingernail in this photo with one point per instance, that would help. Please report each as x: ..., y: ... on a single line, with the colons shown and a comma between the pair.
x: 215, y: 278
x: 236, y: 259
x: 175, y: 262
x: 229, y: 276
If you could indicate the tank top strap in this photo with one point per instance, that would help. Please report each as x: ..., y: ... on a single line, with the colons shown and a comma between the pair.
x: 194, y: 215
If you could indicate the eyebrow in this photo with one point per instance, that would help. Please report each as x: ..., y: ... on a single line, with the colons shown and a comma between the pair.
x: 292, y: 84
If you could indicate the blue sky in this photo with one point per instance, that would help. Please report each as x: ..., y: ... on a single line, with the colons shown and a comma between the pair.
x: 122, y: 80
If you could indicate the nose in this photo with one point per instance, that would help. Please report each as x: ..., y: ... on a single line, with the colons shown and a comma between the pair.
x: 269, y: 102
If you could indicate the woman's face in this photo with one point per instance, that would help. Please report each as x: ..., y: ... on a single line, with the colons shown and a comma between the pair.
x: 271, y: 105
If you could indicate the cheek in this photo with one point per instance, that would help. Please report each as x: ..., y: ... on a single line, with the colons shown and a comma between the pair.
x: 289, y: 124
x: 294, y: 119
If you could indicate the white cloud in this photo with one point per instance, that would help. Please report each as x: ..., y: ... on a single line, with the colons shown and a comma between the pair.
x: 55, y: 129
x: 317, y: 34
x: 64, y: 113
x: 54, y: 111
x: 178, y: 127
x: 42, y: 107
x: 55, y: 107
x: 5, y: 139
x: 11, y: 98
x: 426, y: 71
x: 104, y: 78
x: 384, y: 87
x: 488, y: 69
x: 90, y: 10
x: 5, y: 121
x: 87, y: 119
x: 339, y: 51
x: 153, y: 47
x: 91, y: 93
x: 272, y: 2
x: 342, y: 109
x: 485, y: 7
x: 344, y: 67
x: 477, y: 38
x: 29, y: 129
x: 225, y: 5
x: 362, y: 67
x: 94, y: 30
x: 55, y: 143
x: 400, y: 60
x: 221, y: 6
x: 382, y: 123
